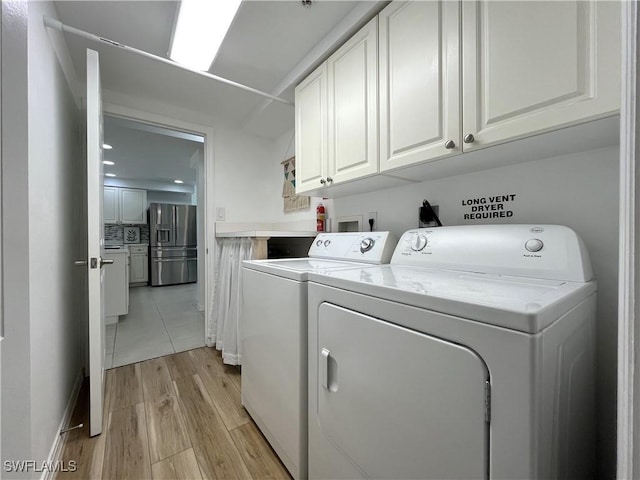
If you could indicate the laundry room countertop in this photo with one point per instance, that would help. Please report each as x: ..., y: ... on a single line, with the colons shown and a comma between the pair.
x: 262, y: 230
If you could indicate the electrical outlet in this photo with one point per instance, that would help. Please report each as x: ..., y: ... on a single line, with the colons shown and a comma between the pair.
x: 220, y: 214
x: 374, y: 216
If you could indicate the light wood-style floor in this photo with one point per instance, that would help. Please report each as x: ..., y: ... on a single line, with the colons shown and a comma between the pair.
x: 174, y: 417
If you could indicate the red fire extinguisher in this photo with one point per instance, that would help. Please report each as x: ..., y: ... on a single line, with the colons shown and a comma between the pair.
x: 320, y: 217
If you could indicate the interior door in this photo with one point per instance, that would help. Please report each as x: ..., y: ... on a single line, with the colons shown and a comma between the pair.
x: 396, y: 403
x: 95, y: 242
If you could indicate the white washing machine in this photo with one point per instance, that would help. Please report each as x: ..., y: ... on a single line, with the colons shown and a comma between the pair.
x: 469, y: 356
x: 273, y: 333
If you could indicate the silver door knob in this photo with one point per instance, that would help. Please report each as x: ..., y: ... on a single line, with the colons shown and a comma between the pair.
x: 329, y: 180
x: 450, y: 144
x: 469, y: 138
x: 323, y: 181
x: 106, y: 261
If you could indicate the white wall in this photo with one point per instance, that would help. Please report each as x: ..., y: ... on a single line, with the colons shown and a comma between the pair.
x: 580, y: 191
x: 244, y: 183
x: 285, y: 148
x: 44, y: 348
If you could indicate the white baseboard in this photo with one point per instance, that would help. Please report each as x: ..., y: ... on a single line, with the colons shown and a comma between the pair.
x: 57, y: 449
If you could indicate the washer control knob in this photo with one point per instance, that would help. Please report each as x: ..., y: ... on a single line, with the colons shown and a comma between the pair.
x: 534, y: 245
x: 418, y: 243
x: 367, y: 244
x: 327, y: 243
x: 318, y: 243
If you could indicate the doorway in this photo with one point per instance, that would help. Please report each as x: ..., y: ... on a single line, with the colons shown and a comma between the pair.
x: 166, y: 165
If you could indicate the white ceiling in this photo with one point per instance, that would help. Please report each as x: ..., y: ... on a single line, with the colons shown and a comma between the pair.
x: 144, y: 152
x: 270, y: 46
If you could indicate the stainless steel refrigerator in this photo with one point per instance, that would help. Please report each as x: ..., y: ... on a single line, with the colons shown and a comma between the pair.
x: 174, y: 244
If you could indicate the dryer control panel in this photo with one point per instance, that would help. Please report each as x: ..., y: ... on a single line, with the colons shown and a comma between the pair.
x: 367, y: 247
x: 538, y: 251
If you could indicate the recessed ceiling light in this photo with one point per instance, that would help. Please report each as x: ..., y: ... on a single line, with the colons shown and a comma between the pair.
x: 178, y: 181
x: 199, y: 31
x: 108, y: 162
x: 106, y: 146
x: 110, y: 174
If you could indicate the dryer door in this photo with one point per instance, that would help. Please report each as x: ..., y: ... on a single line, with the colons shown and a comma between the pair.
x: 396, y: 403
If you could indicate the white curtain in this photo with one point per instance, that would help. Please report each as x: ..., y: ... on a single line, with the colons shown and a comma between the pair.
x: 223, y: 331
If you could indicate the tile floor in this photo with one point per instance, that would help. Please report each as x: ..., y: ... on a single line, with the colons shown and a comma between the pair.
x: 161, y: 321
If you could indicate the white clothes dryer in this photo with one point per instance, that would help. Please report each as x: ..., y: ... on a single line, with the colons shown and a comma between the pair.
x: 469, y: 356
x: 273, y: 335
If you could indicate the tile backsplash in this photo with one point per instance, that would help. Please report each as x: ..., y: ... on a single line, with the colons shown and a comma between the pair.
x: 114, y: 232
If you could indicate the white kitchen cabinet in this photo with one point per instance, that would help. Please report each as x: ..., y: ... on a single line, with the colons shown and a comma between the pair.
x: 419, y: 57
x: 530, y: 67
x: 139, y: 272
x: 337, y: 115
x: 116, y: 285
x: 133, y: 206
x: 124, y: 205
x: 110, y: 205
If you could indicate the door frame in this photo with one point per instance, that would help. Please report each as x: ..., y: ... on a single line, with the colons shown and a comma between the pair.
x: 628, y: 411
x: 207, y: 132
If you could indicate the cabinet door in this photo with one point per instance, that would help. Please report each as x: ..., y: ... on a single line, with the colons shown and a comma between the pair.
x: 138, y: 269
x: 110, y: 209
x: 133, y: 206
x: 534, y: 66
x: 419, y: 82
x: 311, y: 130
x: 353, y: 106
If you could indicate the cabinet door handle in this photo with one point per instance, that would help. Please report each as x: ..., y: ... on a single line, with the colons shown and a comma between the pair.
x: 469, y: 138
x: 329, y: 180
x: 323, y: 181
x: 450, y: 144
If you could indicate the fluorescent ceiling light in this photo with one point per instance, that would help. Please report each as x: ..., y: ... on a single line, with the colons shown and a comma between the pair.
x: 110, y: 174
x: 178, y: 181
x: 199, y: 31
x: 108, y: 162
x: 106, y: 146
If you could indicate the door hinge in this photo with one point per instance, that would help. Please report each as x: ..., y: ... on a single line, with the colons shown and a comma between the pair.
x: 487, y: 401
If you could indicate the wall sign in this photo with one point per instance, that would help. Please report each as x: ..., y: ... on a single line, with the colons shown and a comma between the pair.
x: 489, y: 207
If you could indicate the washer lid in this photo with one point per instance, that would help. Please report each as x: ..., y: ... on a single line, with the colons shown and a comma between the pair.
x: 518, y: 303
x: 297, y: 268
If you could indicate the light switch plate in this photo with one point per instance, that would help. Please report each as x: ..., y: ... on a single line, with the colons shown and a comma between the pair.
x: 220, y: 213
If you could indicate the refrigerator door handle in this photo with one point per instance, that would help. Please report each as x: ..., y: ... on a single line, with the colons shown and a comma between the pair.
x: 163, y: 234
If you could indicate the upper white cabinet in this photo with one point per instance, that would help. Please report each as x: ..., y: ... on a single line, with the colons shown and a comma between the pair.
x: 111, y: 210
x: 311, y: 130
x: 529, y: 67
x: 124, y: 205
x: 133, y: 205
x: 454, y: 77
x: 337, y: 115
x: 419, y: 82
x: 352, y: 74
